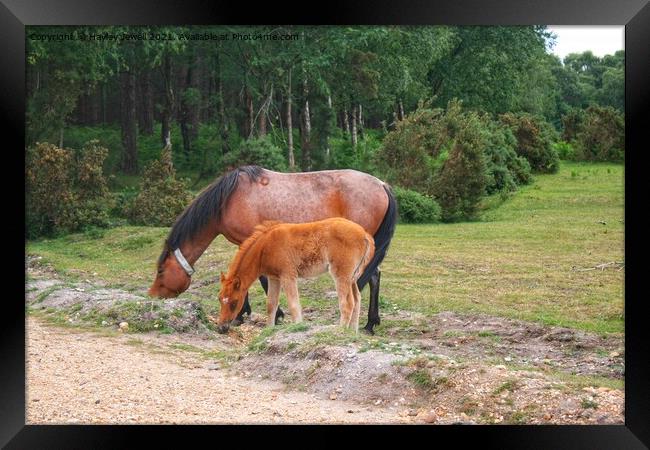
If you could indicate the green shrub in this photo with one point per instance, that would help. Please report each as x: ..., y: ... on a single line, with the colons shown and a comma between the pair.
x: 601, y: 135
x: 162, y: 197
x: 565, y: 151
x: 506, y: 170
x: 440, y: 153
x: 66, y: 192
x: 462, y: 180
x: 571, y: 123
x: 260, y: 151
x: 415, y: 207
x: 411, y: 152
x: 535, y: 139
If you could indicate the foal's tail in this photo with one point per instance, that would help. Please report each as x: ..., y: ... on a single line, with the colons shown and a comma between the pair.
x: 382, y: 237
x: 368, y: 253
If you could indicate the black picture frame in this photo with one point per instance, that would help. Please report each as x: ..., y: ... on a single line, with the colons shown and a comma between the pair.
x: 634, y: 14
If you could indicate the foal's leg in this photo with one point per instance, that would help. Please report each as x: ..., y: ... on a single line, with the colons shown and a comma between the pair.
x: 272, y: 300
x: 354, y: 323
x: 246, y: 309
x: 290, y: 286
x: 265, y: 285
x: 346, y: 303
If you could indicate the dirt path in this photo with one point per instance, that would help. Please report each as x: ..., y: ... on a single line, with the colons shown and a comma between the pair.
x: 445, y: 368
x: 82, y: 377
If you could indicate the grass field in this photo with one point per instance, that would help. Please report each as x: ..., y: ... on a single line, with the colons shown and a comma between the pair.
x: 524, y: 259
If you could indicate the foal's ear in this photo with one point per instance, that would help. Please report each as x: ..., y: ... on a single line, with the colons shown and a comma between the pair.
x: 236, y: 283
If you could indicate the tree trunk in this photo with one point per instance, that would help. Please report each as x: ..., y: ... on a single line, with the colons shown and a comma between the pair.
x: 190, y: 102
x: 346, y: 122
x: 128, y: 122
x: 168, y: 107
x: 194, y: 108
x: 401, y: 110
x: 250, y: 115
x: 222, y: 109
x: 292, y: 160
x: 305, y: 134
x: 145, y: 116
x: 327, y: 138
x: 261, y: 120
x: 360, y: 122
x: 354, y: 126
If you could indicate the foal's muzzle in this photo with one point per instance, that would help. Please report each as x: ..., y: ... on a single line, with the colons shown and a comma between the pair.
x: 223, y: 328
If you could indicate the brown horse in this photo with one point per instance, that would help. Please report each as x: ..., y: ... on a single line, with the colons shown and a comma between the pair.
x: 245, y: 197
x: 284, y: 252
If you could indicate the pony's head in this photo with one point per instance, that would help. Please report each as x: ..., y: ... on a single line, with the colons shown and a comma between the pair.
x: 231, y: 297
x: 171, y: 279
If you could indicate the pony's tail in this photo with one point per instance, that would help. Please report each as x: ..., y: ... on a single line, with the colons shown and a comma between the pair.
x: 382, y: 237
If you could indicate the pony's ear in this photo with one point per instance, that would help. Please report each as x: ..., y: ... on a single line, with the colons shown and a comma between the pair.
x: 236, y: 283
x: 223, y: 278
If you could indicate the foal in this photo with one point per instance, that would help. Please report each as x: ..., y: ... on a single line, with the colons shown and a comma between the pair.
x: 284, y: 252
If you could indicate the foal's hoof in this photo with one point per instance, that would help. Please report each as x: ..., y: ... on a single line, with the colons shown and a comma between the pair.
x: 279, y: 317
x: 368, y: 329
x: 236, y: 322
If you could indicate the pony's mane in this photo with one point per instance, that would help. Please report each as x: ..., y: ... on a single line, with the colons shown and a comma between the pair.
x: 259, y: 230
x: 207, y: 205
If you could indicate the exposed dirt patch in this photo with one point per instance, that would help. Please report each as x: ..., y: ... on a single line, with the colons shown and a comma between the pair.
x: 476, y: 336
x: 446, y: 368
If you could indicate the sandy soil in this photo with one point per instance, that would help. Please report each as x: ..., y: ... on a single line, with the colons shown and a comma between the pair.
x: 76, y: 377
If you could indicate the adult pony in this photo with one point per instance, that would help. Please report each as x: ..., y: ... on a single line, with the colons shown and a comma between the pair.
x: 285, y: 252
x: 245, y: 197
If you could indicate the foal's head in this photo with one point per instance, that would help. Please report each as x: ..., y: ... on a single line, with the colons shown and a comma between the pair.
x: 231, y: 297
x: 171, y: 279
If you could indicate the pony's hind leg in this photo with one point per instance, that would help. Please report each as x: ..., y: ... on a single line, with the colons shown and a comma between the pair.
x: 290, y: 286
x: 272, y: 300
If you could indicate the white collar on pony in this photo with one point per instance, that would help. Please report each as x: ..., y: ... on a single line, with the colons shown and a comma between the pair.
x: 183, y: 262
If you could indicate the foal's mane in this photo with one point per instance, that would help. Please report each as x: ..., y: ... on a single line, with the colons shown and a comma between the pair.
x: 207, y: 205
x: 260, y: 229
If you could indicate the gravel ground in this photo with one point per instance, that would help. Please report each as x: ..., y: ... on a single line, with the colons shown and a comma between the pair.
x: 78, y: 377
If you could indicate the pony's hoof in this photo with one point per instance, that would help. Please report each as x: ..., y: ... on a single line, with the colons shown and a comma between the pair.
x: 368, y: 329
x: 279, y: 317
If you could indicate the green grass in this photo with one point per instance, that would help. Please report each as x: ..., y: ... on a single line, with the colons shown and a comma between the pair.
x: 516, y: 262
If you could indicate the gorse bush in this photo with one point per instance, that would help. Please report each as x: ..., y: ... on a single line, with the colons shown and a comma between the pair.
x: 413, y: 149
x: 66, y: 192
x: 453, y: 155
x: 415, y: 207
x: 261, y: 151
x: 162, y: 197
x: 571, y: 122
x: 506, y: 170
x: 535, y: 138
x: 600, y: 136
x: 462, y: 179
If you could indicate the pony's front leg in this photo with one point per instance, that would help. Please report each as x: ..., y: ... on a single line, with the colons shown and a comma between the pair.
x: 290, y: 286
x: 272, y: 300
